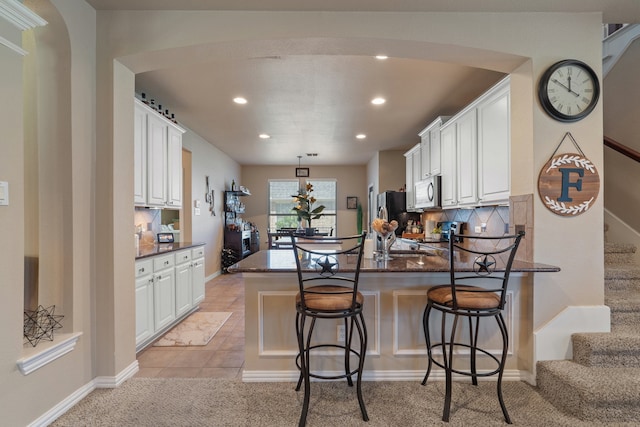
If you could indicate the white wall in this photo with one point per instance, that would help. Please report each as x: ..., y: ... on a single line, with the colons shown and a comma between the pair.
x: 207, y: 160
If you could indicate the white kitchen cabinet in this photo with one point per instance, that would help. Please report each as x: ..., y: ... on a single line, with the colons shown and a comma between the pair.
x: 144, y: 301
x: 184, y: 299
x: 494, y: 146
x: 159, y: 142
x: 156, y: 161
x: 467, y: 156
x: 475, y: 152
x: 197, y: 269
x: 168, y: 288
x: 412, y: 171
x: 140, y: 156
x: 164, y: 290
x: 430, y: 148
x: 174, y: 167
x: 448, y: 166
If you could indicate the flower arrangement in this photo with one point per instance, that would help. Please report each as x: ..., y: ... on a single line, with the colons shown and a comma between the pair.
x: 384, y: 228
x: 304, y: 205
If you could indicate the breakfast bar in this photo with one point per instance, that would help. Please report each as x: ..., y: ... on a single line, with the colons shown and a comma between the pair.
x: 395, y: 298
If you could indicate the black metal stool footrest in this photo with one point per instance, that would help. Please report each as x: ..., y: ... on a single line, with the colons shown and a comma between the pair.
x: 467, y: 373
x: 325, y: 377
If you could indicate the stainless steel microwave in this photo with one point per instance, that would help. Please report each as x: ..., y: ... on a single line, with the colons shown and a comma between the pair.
x: 427, y: 193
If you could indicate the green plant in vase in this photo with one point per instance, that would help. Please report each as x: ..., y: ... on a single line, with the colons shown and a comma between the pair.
x: 304, y: 205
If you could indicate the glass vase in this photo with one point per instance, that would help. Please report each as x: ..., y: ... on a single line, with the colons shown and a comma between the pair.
x: 387, y: 241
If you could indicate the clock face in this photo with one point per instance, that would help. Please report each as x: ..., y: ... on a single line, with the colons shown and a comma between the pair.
x: 569, y: 90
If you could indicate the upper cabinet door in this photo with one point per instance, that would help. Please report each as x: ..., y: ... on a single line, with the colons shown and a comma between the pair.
x: 156, y: 161
x: 494, y: 144
x: 434, y: 152
x: 425, y: 154
x: 174, y: 168
x: 467, y: 158
x: 140, y: 156
x: 448, y: 185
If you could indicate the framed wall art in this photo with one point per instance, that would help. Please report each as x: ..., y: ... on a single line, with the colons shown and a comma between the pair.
x: 352, y: 202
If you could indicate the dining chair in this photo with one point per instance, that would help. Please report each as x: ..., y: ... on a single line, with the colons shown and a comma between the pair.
x: 328, y: 291
x: 479, y: 269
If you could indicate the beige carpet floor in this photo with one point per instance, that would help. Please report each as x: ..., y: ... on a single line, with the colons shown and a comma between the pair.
x: 197, y: 329
x: 213, y: 402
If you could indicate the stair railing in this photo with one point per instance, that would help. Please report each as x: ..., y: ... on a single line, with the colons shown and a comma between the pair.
x: 622, y: 149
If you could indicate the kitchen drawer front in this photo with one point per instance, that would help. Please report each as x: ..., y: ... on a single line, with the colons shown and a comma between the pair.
x: 183, y: 256
x: 144, y: 267
x: 197, y: 252
x: 162, y: 262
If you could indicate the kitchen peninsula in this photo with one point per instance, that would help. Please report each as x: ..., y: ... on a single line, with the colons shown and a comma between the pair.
x: 395, y: 297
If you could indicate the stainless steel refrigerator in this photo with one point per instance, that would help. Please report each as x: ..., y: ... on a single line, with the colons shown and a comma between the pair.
x: 394, y: 205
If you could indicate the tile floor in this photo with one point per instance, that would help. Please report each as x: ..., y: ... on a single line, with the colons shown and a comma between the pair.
x: 223, y: 357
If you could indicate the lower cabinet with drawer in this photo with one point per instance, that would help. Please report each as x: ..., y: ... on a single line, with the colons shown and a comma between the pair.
x: 169, y: 287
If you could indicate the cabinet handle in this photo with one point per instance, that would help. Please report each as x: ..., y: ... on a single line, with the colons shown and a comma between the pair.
x: 141, y: 270
x: 166, y: 262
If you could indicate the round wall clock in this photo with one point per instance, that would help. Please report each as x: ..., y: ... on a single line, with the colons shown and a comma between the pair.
x: 569, y: 90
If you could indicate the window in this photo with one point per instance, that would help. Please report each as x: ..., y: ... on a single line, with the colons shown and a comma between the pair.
x: 281, y: 193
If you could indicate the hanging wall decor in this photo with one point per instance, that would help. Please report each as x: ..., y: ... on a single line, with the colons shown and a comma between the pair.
x: 209, y: 197
x: 568, y: 183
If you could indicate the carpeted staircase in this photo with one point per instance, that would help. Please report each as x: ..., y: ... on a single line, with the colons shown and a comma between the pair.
x: 602, y: 382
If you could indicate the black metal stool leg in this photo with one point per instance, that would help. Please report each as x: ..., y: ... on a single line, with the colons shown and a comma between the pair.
x: 348, y: 336
x: 362, y: 334
x: 448, y: 364
x: 304, y: 367
x: 473, y: 341
x: 505, y: 346
x: 300, y: 349
x: 427, y: 337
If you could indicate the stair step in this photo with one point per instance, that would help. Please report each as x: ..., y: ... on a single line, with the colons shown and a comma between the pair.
x: 622, y: 272
x: 617, y: 248
x: 607, y: 349
x: 620, y: 277
x: 619, y: 253
x: 591, y: 393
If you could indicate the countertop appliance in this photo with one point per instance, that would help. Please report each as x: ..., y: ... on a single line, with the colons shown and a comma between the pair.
x: 445, y: 226
x: 394, y: 204
x: 427, y: 193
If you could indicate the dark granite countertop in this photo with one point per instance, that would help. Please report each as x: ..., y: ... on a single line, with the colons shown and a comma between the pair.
x: 282, y: 261
x: 162, y: 248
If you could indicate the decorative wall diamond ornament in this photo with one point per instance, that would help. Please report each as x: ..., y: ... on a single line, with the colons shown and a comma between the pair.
x: 39, y: 324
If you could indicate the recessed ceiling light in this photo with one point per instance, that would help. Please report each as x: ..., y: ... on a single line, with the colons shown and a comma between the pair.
x: 378, y: 101
x: 239, y: 100
x: 361, y: 136
x: 264, y: 136
x: 382, y: 57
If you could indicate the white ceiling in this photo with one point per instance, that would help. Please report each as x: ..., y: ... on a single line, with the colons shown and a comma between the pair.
x: 318, y: 103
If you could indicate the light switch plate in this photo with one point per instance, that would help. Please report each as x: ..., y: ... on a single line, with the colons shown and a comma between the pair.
x: 196, y: 211
x: 4, y: 193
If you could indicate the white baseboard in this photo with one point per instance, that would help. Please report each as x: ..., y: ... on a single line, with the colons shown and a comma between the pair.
x: 417, y: 376
x: 99, y: 382
x: 212, y: 276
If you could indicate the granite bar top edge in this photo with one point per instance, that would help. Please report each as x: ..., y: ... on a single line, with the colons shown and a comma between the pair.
x: 146, y: 251
x: 259, y: 263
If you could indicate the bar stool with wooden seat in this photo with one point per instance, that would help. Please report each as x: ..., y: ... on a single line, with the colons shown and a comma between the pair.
x: 479, y: 275
x: 328, y: 289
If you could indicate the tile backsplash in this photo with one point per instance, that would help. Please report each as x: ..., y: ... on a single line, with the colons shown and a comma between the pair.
x: 499, y: 220
x: 148, y: 223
